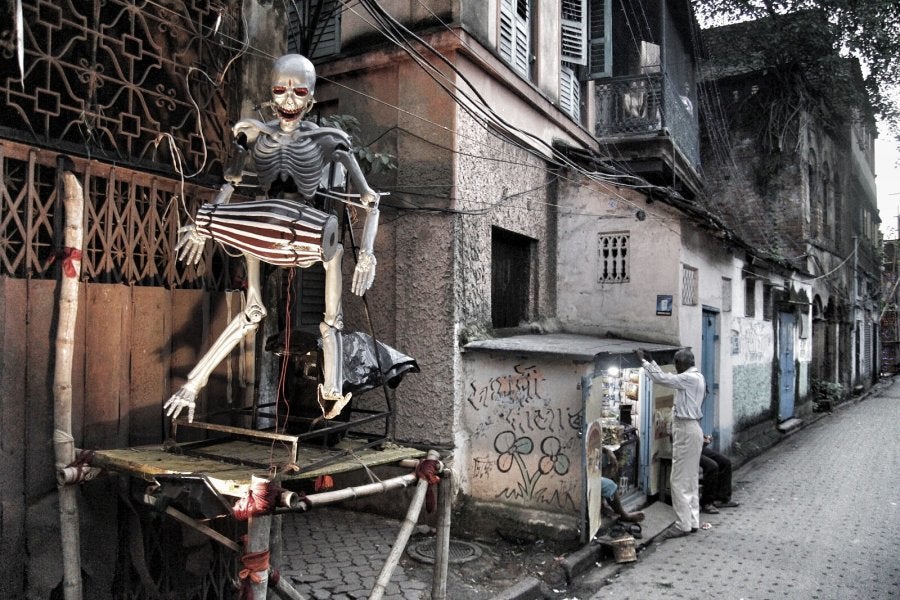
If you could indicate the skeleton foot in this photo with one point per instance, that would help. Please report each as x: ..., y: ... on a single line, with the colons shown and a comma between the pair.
x: 331, y: 402
x: 183, y: 398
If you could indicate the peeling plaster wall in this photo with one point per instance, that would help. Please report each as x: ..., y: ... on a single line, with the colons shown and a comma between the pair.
x: 512, y: 188
x: 411, y: 303
x: 585, y: 305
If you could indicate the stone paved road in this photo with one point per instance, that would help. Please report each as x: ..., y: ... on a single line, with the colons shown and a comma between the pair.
x: 819, y: 520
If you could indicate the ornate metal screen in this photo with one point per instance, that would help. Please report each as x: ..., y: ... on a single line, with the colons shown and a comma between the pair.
x: 131, y: 221
x: 129, y: 89
x: 104, y: 78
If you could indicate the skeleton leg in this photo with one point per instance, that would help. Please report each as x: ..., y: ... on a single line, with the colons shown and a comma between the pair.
x: 331, y: 400
x: 241, y: 325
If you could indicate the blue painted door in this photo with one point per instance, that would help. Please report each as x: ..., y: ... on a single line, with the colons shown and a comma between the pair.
x: 710, y: 339
x: 786, y: 370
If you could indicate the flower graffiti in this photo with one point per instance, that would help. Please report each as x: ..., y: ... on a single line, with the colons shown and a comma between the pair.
x: 511, y: 451
x: 553, y: 459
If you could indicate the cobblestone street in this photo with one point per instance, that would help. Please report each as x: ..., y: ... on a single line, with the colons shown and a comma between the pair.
x: 819, y: 520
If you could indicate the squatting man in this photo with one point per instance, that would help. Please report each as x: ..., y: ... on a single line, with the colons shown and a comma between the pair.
x: 292, y: 159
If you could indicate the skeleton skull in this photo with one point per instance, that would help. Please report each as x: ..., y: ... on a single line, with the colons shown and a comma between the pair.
x: 293, y: 86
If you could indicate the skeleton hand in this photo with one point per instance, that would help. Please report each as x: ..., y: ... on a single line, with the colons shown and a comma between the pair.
x: 183, y: 398
x: 364, y: 274
x: 190, y: 244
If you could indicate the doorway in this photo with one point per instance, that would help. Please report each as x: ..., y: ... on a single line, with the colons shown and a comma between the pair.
x: 708, y: 354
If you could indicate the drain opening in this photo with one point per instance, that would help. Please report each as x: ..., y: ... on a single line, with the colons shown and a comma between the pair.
x: 459, y: 551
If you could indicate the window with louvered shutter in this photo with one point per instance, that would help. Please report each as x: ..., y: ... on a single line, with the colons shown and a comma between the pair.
x: 574, y: 31
x: 515, y: 35
x: 569, y: 92
x: 600, y: 47
x: 315, y: 39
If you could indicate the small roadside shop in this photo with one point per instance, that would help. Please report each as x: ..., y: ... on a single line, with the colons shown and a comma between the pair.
x: 538, y: 411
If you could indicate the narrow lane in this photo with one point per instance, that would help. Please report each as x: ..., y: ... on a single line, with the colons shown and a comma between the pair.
x: 819, y: 519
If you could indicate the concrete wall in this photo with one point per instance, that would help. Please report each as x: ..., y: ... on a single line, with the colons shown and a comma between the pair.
x: 521, y: 420
x: 584, y: 305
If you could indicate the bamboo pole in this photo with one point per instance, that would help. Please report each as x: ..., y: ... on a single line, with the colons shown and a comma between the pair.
x: 406, y: 529
x: 285, y: 590
x: 442, y: 539
x: 63, y: 442
x: 258, y: 534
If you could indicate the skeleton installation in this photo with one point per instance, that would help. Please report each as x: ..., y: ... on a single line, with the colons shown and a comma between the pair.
x: 291, y: 158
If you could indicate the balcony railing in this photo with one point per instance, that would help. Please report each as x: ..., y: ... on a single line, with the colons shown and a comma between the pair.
x: 642, y: 104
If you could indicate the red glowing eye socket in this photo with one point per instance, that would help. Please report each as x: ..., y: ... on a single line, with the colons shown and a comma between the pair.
x: 279, y: 90
x: 301, y: 91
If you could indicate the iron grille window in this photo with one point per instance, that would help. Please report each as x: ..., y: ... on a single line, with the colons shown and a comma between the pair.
x: 131, y: 222
x: 726, y: 294
x: 750, y: 297
x: 689, y: 287
x: 614, y: 257
x: 510, y: 277
x: 108, y: 78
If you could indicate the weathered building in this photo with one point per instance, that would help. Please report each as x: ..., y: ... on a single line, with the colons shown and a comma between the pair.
x: 792, y: 173
x: 548, y: 184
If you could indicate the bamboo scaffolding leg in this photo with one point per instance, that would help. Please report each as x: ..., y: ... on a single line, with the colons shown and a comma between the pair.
x: 63, y: 442
x: 406, y: 529
x: 442, y: 539
x: 258, y: 535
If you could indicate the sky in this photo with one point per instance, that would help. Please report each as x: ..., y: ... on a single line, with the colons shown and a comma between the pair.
x: 887, y: 180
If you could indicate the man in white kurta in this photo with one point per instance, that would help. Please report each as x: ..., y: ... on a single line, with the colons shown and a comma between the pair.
x: 687, y: 436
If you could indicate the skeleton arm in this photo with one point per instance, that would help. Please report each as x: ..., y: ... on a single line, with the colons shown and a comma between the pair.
x: 364, y: 274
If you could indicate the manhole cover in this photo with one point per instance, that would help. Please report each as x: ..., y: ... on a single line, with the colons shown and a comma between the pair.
x: 460, y: 552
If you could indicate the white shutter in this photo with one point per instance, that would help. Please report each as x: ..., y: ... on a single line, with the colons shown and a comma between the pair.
x: 601, y: 39
x: 507, y: 31
x: 325, y: 34
x: 574, y: 31
x: 515, y: 35
x: 569, y: 92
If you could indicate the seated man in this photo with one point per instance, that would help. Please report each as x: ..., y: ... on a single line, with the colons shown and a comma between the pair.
x: 610, y: 493
x: 609, y: 490
x: 716, y: 480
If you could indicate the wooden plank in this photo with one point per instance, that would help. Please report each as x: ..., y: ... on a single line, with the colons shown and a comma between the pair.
x: 39, y: 339
x: 151, y: 333
x: 218, y: 390
x: 78, y: 369
x: 108, y: 309
x: 13, y: 293
x: 189, y: 313
x: 234, y: 480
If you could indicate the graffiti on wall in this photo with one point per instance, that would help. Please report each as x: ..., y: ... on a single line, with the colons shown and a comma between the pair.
x: 756, y: 340
x: 519, y: 388
x: 523, y: 438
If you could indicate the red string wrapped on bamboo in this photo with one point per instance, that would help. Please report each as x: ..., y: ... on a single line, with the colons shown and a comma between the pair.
x: 261, y: 499
x: 82, y: 463
x: 428, y: 470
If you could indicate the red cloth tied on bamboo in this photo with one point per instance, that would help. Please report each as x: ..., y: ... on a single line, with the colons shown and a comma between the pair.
x: 427, y: 470
x: 254, y: 564
x: 68, y: 256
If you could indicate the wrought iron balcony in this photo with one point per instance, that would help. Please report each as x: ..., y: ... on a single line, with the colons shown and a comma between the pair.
x: 647, y: 104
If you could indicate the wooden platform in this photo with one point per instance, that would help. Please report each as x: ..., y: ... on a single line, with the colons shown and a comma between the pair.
x: 232, y: 479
